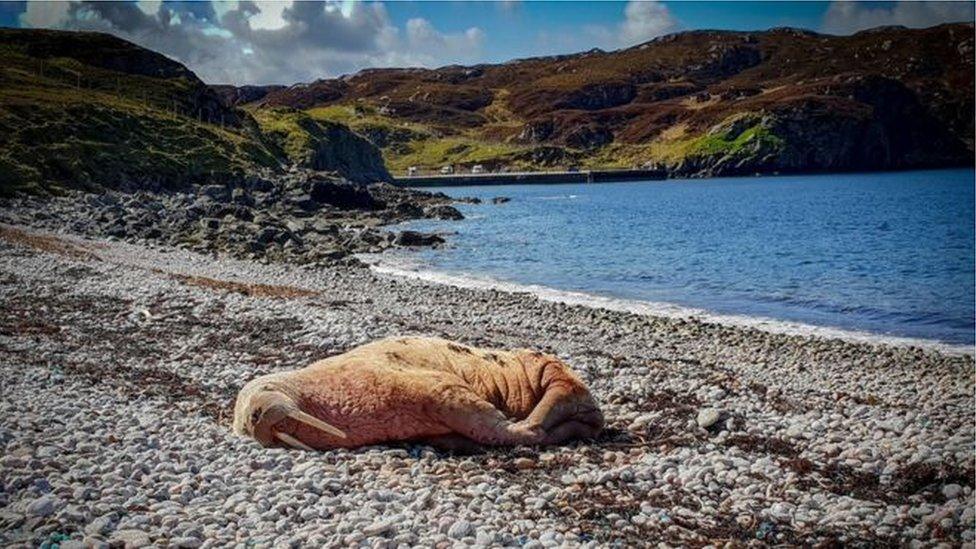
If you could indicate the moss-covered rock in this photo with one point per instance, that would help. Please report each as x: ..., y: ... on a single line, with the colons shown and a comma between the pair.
x: 322, y: 145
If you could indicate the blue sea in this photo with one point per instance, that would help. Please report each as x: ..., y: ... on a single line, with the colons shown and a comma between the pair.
x: 886, y: 254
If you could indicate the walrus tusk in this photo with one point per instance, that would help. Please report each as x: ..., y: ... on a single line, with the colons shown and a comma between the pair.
x: 313, y: 421
x: 292, y: 441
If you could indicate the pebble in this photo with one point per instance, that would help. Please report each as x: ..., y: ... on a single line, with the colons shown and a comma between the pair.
x: 128, y: 456
x: 130, y: 539
x: 41, y: 507
x: 460, y: 529
x: 951, y: 491
x: 708, y: 417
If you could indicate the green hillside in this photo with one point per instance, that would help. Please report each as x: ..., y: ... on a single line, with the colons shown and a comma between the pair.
x: 92, y: 111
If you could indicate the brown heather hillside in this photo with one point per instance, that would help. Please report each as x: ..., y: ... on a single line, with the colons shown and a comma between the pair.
x: 698, y: 103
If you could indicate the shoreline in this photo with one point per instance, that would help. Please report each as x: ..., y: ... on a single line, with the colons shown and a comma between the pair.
x: 135, y: 354
x: 664, y: 309
x: 429, y: 181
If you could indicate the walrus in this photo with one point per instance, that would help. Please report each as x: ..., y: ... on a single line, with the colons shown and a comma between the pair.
x: 427, y: 390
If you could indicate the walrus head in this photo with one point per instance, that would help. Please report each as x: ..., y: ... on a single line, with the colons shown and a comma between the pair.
x: 263, y: 404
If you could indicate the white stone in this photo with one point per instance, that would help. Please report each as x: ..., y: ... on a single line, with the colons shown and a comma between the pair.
x: 708, y: 417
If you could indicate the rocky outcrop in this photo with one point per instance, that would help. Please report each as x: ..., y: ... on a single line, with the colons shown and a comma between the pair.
x: 300, y: 217
x: 314, y: 144
x: 337, y: 148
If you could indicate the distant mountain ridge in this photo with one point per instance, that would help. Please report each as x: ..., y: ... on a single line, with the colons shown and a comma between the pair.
x: 695, y: 103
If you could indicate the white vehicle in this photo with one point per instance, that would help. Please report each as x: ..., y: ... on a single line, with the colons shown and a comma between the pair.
x: 477, y: 168
x: 412, y: 170
x: 447, y: 170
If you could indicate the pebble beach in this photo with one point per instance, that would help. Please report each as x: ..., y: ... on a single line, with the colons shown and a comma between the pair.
x: 120, y: 363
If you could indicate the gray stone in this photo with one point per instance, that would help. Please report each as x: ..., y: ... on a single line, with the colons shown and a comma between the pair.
x: 42, y: 507
x: 130, y: 539
x: 951, y: 491
x: 460, y: 529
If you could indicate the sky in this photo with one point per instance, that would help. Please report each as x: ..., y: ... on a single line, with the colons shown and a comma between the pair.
x: 283, y: 42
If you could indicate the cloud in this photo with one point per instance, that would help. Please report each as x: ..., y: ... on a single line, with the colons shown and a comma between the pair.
x: 643, y: 20
x: 848, y: 17
x: 45, y: 14
x: 263, y: 42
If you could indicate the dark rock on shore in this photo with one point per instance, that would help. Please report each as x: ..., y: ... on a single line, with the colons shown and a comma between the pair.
x: 301, y: 217
x: 443, y: 211
x: 343, y: 195
x: 414, y: 238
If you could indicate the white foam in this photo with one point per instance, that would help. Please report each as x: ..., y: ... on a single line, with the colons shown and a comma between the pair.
x: 406, y: 267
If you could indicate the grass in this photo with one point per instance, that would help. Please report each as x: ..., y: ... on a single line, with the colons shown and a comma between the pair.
x: 423, y: 146
x: 320, y: 144
x: 434, y: 153
x: 64, y: 124
x: 738, y: 135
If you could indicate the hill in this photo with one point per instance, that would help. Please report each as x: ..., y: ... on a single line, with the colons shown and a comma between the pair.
x: 695, y: 103
x: 92, y: 111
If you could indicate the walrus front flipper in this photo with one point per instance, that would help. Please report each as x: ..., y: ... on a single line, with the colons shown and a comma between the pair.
x: 467, y: 414
x: 566, y: 410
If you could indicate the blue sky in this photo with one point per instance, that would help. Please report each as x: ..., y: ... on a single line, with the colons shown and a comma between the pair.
x: 261, y: 42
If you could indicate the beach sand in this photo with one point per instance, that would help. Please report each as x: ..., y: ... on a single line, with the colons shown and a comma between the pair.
x: 120, y: 364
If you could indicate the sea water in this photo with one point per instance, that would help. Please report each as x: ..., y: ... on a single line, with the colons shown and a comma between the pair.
x: 890, y: 254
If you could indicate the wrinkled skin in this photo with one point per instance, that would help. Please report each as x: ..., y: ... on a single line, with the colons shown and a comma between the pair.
x: 421, y: 389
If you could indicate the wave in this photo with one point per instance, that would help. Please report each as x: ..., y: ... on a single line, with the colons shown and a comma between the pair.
x: 559, y: 197
x: 404, y: 267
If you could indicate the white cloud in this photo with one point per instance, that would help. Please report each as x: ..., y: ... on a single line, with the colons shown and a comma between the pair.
x: 425, y: 40
x: 149, y: 7
x: 270, y: 15
x: 848, y: 17
x: 45, y: 14
x: 222, y: 7
x: 266, y: 42
x: 643, y: 20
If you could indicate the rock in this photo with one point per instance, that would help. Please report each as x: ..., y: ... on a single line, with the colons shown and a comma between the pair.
x: 219, y: 193
x: 708, y: 417
x: 524, y: 463
x: 500, y: 200
x: 186, y: 542
x: 239, y: 196
x: 414, y: 238
x: 443, y: 211
x: 343, y: 196
x: 42, y: 507
x: 101, y: 525
x: 407, y: 210
x: 795, y: 430
x: 379, y: 527
x: 460, y: 529
x: 951, y: 491
x: 267, y: 235
x: 130, y: 539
